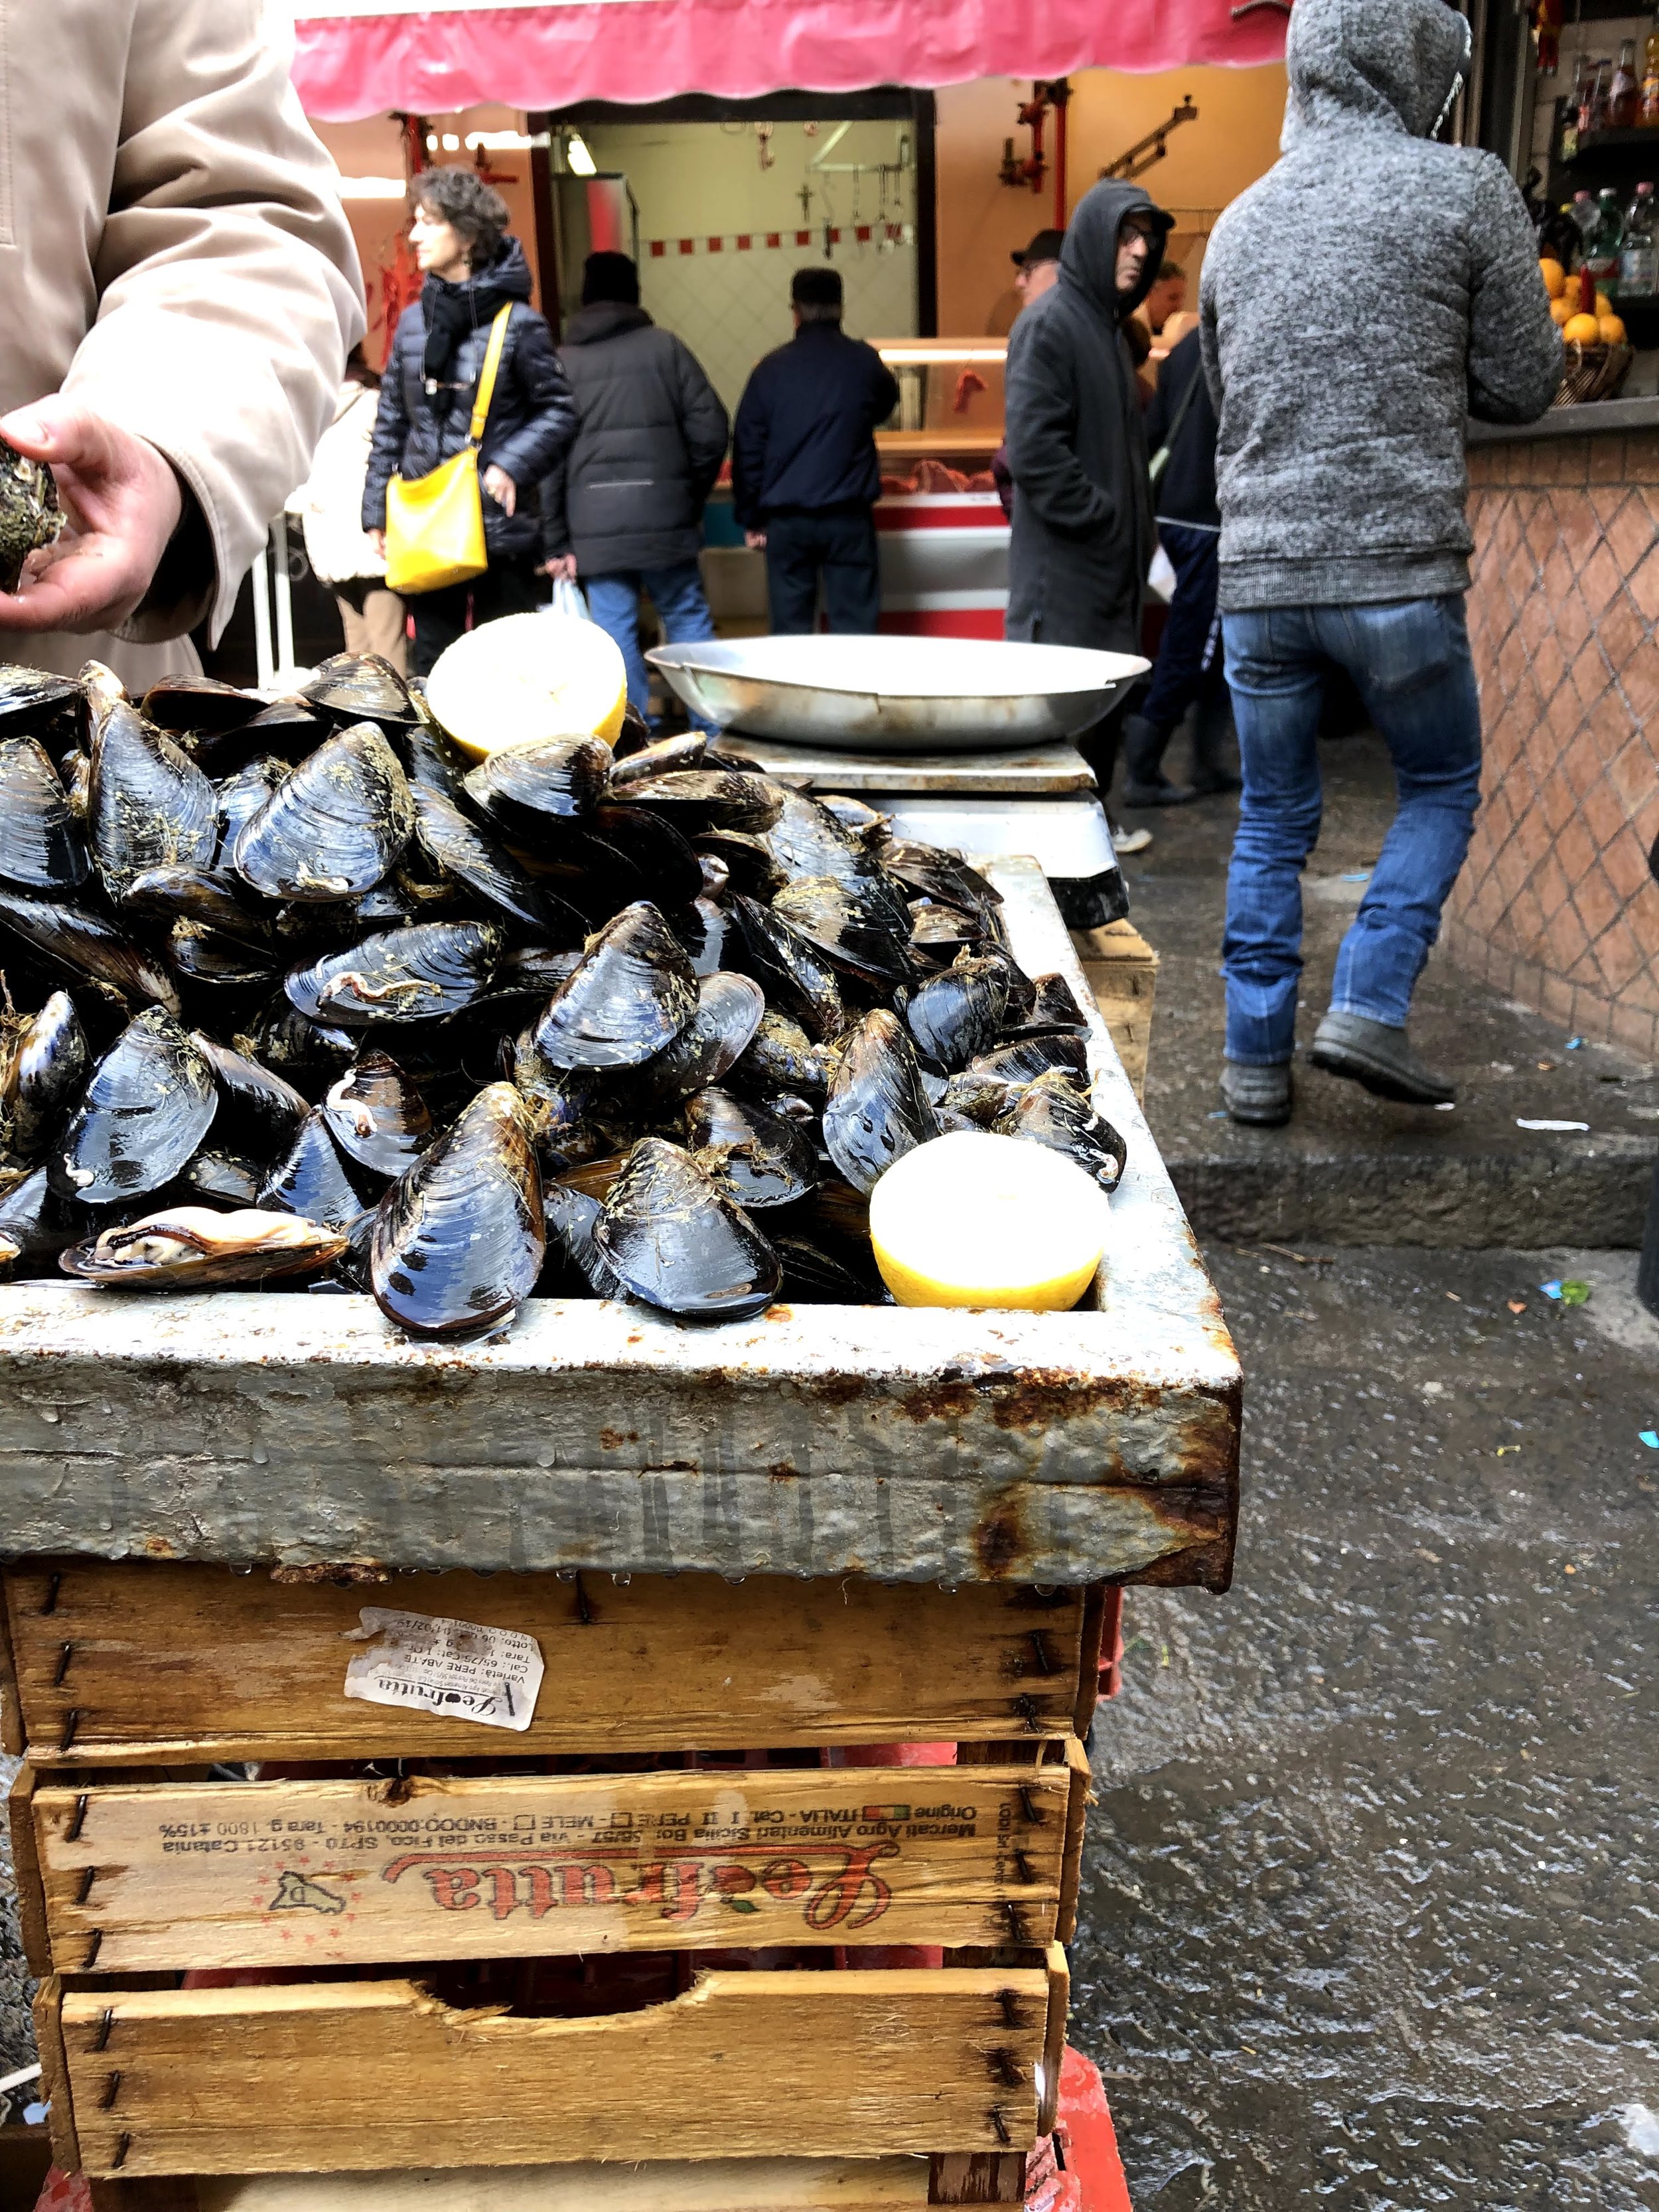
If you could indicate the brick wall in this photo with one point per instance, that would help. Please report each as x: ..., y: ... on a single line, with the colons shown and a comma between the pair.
x: 1555, y: 906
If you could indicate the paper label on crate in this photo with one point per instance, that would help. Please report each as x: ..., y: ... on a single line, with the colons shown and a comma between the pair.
x: 455, y: 1668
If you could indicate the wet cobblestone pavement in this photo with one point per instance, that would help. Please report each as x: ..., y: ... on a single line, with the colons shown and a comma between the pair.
x: 1368, y: 1915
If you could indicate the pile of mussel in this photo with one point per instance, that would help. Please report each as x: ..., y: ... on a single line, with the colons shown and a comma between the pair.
x: 297, y: 994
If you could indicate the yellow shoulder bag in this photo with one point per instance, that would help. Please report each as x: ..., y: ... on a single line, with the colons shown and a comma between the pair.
x: 434, y: 532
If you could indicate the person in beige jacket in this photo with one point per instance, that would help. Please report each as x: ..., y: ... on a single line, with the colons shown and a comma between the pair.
x: 180, y: 287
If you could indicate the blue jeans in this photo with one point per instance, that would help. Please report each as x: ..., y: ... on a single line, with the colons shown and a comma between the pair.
x: 1410, y: 661
x: 676, y: 594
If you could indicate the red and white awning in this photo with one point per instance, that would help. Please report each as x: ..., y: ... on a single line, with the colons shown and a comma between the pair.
x: 355, y: 57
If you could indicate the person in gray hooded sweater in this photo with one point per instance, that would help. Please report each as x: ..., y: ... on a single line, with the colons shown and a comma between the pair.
x: 1341, y: 484
x: 1082, y: 539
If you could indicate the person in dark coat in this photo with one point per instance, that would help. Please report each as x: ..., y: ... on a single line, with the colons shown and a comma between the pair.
x: 624, y: 510
x: 1082, y: 539
x: 473, y: 269
x: 805, y: 476
x: 1189, y: 669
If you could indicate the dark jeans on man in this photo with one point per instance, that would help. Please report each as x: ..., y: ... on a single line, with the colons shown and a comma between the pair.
x: 1189, y: 651
x: 507, y: 587
x: 1410, y: 661
x: 837, y: 543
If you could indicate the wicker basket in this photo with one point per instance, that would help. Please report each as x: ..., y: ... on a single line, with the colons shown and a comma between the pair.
x: 1594, y: 371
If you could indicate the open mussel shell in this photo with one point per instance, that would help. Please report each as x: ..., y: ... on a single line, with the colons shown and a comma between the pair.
x: 150, y: 1102
x: 676, y: 1241
x: 572, y: 1217
x: 529, y: 789
x: 630, y: 998
x: 459, y: 1239
x: 311, y: 1177
x: 851, y: 924
x: 1051, y: 1111
x: 458, y: 847
x: 754, y: 1155
x: 333, y: 826
x: 1026, y: 1057
x: 44, y: 1072
x: 958, y: 1015
x: 86, y: 945
x: 696, y: 800
x: 359, y: 687
x: 376, y: 1115
x: 794, y: 975
x: 781, y: 1057
x: 877, y: 1111
x: 662, y: 757
x: 53, y: 709
x: 730, y: 1010
x: 399, y: 975
x: 196, y: 1248
x: 41, y: 847
x: 148, y: 804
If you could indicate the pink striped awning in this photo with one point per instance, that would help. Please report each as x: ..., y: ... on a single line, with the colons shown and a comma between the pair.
x: 355, y: 57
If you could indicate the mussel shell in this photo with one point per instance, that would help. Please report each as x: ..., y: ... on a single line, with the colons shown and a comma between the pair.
x: 242, y: 796
x: 267, y: 1109
x: 570, y: 1111
x: 572, y: 1217
x: 932, y: 873
x: 150, y: 1102
x: 207, y: 956
x: 227, y: 1177
x: 794, y: 975
x: 977, y: 1100
x: 86, y: 945
x: 813, y: 1277
x: 853, y: 928
x: 221, y: 902
x: 730, y: 1009
x: 677, y: 1241
x: 376, y: 1115
x: 1026, y: 1057
x: 359, y: 687
x: 860, y: 821
x: 75, y: 772
x: 630, y: 998
x: 460, y: 848
x: 877, y: 1111
x: 307, y: 1054
x: 459, y: 1239
x: 435, y: 760
x: 754, y: 1155
x: 199, y: 706
x: 46, y: 1067
x: 530, y: 789
x: 30, y: 515
x: 311, y: 1177
x: 35, y: 1218
x: 41, y: 847
x: 195, y: 1248
x: 958, y: 1015
x: 33, y: 704
x: 1056, y: 1006
x: 537, y: 970
x: 664, y: 867
x: 945, y: 929
x: 661, y: 757
x: 780, y: 1056
x: 148, y: 804
x: 704, y: 929
x: 333, y: 826
x: 1052, y: 1112
x: 696, y: 800
x: 399, y: 976
x: 749, y: 868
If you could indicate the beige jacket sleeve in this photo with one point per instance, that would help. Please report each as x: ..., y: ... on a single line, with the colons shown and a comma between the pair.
x: 227, y: 285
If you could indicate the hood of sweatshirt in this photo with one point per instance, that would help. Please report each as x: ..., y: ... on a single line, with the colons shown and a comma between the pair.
x: 601, y: 320
x: 1394, y: 64
x: 1088, y: 260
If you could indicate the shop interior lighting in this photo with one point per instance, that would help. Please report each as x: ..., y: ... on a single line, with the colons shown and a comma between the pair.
x: 372, y: 188
x: 920, y: 356
x: 582, y: 163
x: 451, y: 143
x: 505, y: 142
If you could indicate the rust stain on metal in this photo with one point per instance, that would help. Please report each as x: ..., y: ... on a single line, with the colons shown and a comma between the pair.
x: 998, y: 1539
x: 614, y: 1439
x: 159, y: 1548
x: 342, y: 1572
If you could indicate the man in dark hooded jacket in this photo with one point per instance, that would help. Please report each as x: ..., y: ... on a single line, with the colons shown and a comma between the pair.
x: 623, y: 511
x: 1082, y: 537
x: 1341, y: 483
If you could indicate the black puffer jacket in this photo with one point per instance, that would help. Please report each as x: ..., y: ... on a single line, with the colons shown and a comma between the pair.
x: 1187, y: 493
x: 531, y: 418
x: 1082, y: 537
x: 628, y: 494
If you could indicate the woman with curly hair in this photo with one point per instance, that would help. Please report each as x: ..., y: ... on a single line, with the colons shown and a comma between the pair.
x: 472, y: 270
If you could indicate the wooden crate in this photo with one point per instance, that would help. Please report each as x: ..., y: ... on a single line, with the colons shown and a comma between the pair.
x: 1121, y: 969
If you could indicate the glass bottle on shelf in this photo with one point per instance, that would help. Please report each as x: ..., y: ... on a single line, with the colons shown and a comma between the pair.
x: 1593, y: 109
x: 1623, y: 91
x: 1638, y: 255
x: 1585, y: 215
x: 1602, y: 248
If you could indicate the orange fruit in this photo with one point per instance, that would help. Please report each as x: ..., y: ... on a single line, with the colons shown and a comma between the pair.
x: 1612, y: 330
x: 1603, y: 304
x: 1564, y: 310
x: 1554, y: 277
x: 1583, y: 330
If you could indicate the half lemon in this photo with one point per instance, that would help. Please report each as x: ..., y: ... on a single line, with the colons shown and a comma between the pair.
x: 527, y: 677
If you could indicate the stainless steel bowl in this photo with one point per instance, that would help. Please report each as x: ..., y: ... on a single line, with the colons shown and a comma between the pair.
x: 898, y: 694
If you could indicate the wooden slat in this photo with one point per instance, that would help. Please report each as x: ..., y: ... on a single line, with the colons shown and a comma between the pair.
x: 1053, y: 2046
x: 26, y: 1869
x: 978, y: 2176
x: 714, y: 2184
x: 55, y: 2084
x: 365, y: 2075
x: 327, y: 1873
x: 1081, y: 1793
x: 172, y: 1661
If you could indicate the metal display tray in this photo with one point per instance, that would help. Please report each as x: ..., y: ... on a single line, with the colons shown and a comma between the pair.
x: 909, y: 1446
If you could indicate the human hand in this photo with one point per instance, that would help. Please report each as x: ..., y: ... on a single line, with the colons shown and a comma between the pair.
x: 501, y: 487
x: 754, y: 540
x: 561, y: 568
x: 122, y: 503
x: 377, y: 539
